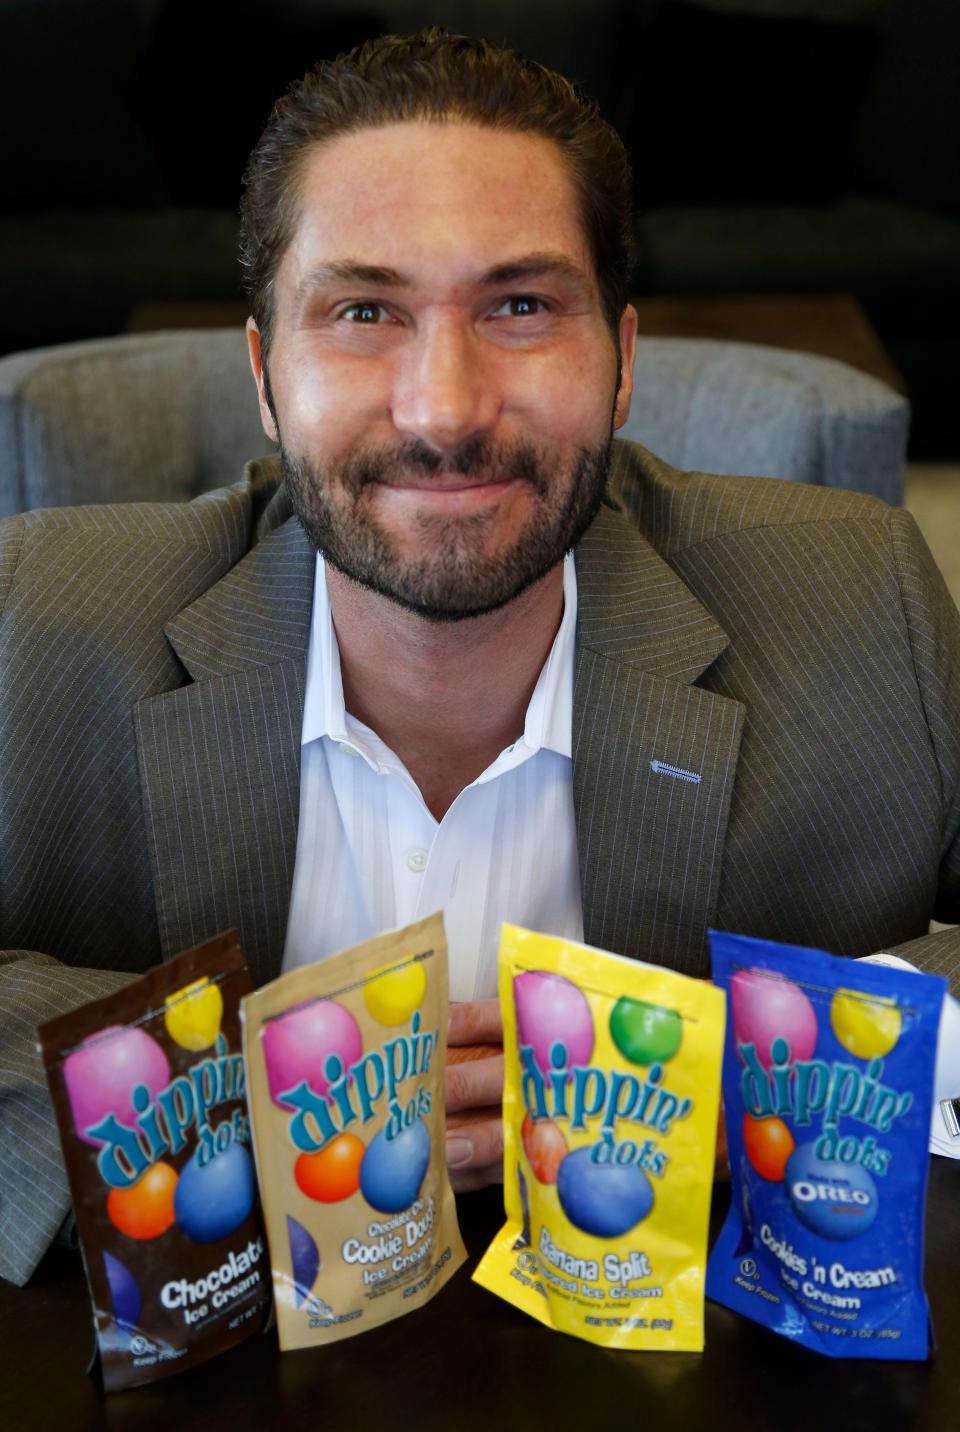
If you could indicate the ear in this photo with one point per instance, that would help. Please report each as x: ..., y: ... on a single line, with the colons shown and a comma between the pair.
x: 256, y: 363
x: 628, y: 351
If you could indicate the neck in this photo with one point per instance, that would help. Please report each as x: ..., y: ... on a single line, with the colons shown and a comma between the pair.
x: 446, y: 697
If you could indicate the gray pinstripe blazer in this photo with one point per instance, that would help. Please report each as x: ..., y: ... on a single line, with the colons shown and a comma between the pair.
x: 790, y: 651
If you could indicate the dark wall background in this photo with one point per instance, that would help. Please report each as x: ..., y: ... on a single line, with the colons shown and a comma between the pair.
x: 778, y: 145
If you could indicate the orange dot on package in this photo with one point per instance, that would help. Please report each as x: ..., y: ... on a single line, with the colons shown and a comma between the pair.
x: 145, y: 1209
x: 545, y: 1147
x: 333, y: 1172
x: 768, y: 1144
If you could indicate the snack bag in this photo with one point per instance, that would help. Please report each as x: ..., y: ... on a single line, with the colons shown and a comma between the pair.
x: 611, y: 1091
x: 346, y: 1061
x: 148, y: 1089
x: 827, y: 1086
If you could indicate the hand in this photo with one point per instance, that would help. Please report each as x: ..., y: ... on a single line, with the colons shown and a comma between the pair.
x: 475, y: 1094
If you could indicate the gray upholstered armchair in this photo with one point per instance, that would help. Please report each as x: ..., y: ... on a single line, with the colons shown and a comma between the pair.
x: 165, y: 416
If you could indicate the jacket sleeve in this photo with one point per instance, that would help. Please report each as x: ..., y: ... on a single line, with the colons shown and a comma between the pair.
x: 34, y: 1198
x: 933, y: 624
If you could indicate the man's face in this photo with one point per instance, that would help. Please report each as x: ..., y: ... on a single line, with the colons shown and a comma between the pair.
x: 443, y: 381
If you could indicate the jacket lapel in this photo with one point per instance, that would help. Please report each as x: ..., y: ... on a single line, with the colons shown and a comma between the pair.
x: 220, y: 759
x: 654, y: 757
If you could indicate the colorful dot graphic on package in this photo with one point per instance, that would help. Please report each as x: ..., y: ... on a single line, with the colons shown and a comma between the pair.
x: 552, y: 1010
x: 192, y: 1015
x: 393, y: 1169
x: 836, y: 1200
x: 304, y: 1260
x: 145, y: 1209
x: 645, y: 1033
x: 333, y: 1172
x: 392, y: 997
x: 868, y: 1026
x: 768, y: 1143
x: 124, y: 1293
x: 102, y: 1072
x: 767, y: 1007
x: 544, y: 1146
x: 605, y: 1199
x: 297, y: 1045
x: 214, y: 1198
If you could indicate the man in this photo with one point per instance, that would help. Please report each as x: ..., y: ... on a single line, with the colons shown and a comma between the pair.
x: 736, y: 704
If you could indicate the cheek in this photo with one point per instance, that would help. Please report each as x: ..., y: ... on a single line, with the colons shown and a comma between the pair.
x: 328, y: 405
x: 568, y: 402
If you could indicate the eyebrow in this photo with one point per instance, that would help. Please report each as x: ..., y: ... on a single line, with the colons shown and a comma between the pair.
x: 529, y: 266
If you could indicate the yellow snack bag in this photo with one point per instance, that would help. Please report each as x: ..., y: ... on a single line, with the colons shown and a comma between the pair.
x: 610, y: 1102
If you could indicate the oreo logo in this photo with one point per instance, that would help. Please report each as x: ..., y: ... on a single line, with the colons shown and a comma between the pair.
x: 835, y: 1200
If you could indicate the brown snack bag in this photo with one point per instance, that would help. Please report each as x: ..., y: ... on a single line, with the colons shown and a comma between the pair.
x: 148, y: 1089
x: 345, y: 1061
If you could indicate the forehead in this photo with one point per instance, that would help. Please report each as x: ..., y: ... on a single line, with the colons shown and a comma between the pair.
x: 440, y: 198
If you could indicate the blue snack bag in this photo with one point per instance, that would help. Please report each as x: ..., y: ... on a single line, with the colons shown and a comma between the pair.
x: 828, y: 1071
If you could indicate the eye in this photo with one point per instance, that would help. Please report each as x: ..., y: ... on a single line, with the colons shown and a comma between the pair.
x: 365, y: 312
x: 520, y: 305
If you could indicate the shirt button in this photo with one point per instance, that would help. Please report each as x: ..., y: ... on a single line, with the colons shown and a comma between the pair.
x: 345, y: 749
x: 417, y: 859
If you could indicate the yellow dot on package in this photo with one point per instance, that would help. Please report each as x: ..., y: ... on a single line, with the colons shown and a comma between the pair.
x: 392, y: 997
x: 192, y: 1014
x: 868, y: 1026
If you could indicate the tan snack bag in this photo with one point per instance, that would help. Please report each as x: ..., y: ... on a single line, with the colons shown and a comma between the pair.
x: 345, y: 1080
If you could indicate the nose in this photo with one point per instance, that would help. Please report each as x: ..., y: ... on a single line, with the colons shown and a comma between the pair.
x: 445, y: 391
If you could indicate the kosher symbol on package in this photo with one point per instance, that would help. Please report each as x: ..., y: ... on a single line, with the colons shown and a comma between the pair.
x: 346, y: 1062
x: 611, y: 1094
x: 828, y: 1085
x: 148, y: 1089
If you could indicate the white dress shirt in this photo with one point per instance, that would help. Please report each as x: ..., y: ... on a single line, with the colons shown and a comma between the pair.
x: 370, y: 856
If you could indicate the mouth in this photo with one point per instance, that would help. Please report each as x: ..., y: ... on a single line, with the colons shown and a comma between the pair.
x: 448, y: 490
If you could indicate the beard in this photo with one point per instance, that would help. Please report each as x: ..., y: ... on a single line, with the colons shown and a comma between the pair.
x: 452, y: 577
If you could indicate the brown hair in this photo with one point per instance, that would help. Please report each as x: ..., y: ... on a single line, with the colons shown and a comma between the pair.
x: 433, y: 75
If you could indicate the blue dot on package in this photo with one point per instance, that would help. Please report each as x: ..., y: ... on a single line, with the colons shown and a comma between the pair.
x: 828, y: 1073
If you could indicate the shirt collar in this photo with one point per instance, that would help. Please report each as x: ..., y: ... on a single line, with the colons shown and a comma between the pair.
x: 549, y: 719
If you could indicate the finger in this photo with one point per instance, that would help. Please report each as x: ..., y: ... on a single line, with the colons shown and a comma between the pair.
x: 460, y: 1053
x: 475, y: 1084
x: 475, y: 1021
x: 468, y: 1180
x: 477, y: 1143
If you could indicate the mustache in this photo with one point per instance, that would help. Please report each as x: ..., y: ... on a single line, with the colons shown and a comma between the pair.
x: 478, y: 458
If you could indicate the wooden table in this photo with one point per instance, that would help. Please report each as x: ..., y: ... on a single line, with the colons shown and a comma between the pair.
x: 470, y: 1361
